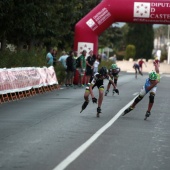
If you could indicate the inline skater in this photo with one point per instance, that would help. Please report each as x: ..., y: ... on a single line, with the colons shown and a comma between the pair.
x: 98, y: 80
x: 137, y: 70
x: 149, y: 87
x: 114, y: 74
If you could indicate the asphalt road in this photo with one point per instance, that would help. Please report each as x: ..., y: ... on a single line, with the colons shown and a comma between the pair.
x: 47, y: 132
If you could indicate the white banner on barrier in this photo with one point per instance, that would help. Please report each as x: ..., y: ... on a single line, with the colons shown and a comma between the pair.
x: 21, y: 79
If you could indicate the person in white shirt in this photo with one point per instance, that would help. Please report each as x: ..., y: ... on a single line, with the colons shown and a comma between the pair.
x: 63, y: 58
x: 96, y: 65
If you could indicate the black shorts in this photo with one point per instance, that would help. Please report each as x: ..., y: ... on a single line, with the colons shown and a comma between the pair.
x: 99, y: 84
x: 89, y: 72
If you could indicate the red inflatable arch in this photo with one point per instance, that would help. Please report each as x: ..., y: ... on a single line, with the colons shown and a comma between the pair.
x: 107, y: 12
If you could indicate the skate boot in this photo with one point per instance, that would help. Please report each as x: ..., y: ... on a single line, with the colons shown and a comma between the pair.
x: 148, y: 113
x: 127, y: 110
x: 84, y: 106
x: 113, y: 92
x: 106, y: 92
x: 98, y: 111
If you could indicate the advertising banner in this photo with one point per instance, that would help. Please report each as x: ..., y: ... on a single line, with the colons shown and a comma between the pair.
x: 21, y: 79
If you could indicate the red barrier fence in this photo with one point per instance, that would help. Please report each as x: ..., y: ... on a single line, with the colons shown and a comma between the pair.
x: 17, y: 83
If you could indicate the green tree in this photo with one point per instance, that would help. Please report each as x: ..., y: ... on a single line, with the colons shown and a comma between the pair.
x: 142, y: 36
x: 110, y: 38
x: 45, y: 22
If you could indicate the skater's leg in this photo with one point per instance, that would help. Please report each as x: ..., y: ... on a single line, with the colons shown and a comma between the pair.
x: 86, y: 98
x: 115, y: 82
x: 151, y: 101
x: 84, y: 105
x: 136, y: 73
x: 108, y: 87
x: 136, y: 101
x: 100, y: 100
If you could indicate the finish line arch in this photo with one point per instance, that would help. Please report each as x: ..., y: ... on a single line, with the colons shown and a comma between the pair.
x: 107, y: 12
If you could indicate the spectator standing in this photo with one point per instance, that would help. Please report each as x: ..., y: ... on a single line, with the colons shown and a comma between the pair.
x: 70, y: 69
x: 96, y: 66
x: 49, y: 57
x: 89, y: 67
x: 81, y: 65
x: 54, y: 56
x: 63, y: 58
x: 75, y: 58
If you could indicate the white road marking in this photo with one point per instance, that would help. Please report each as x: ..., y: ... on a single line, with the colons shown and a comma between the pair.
x: 134, y: 94
x: 75, y: 154
x: 165, y: 75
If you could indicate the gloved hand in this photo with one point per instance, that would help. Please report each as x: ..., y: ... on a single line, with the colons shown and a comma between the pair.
x: 117, y: 91
x: 94, y: 100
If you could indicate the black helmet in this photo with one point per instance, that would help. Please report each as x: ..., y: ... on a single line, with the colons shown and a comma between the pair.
x: 103, y: 71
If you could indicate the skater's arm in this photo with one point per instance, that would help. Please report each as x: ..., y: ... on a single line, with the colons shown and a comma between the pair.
x: 114, y: 86
x: 152, y: 85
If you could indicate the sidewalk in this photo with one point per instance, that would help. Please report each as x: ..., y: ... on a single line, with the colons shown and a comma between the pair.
x: 128, y: 66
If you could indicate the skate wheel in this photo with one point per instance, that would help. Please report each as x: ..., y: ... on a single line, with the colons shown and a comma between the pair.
x: 98, y: 115
x: 145, y: 118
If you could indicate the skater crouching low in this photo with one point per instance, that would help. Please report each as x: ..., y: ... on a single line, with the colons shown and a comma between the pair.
x: 150, y: 86
x: 98, y: 80
x: 114, y: 74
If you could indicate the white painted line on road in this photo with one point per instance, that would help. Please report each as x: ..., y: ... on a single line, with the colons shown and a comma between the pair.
x: 75, y: 154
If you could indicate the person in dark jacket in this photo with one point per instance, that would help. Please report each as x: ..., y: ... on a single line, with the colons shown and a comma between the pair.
x: 70, y: 69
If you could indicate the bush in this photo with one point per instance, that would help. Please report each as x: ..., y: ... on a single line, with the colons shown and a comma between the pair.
x: 60, y: 73
x: 130, y: 52
x: 22, y: 59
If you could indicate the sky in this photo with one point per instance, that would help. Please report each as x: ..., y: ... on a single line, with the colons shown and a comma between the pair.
x: 120, y: 24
